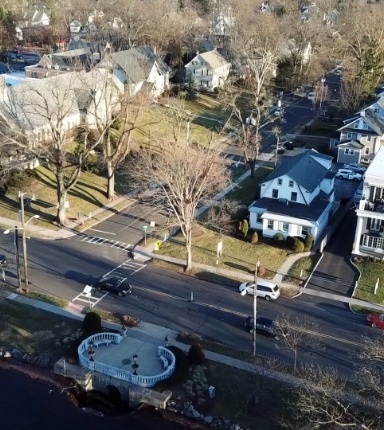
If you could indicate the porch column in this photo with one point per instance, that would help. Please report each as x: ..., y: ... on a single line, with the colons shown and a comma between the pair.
x: 356, y: 243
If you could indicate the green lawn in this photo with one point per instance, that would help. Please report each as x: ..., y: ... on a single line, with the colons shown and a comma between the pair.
x: 247, y: 191
x: 238, y: 254
x: 33, y: 330
x: 301, y: 269
x: 88, y: 195
x: 370, y: 272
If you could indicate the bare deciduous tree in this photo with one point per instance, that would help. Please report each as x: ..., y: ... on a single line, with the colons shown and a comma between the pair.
x: 300, y: 333
x: 324, y: 402
x: 187, y: 173
x: 41, y: 118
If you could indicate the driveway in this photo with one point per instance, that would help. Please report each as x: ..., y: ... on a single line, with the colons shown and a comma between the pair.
x: 335, y: 273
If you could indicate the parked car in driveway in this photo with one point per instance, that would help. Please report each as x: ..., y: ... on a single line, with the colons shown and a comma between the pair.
x: 265, y: 289
x: 355, y: 167
x: 376, y: 320
x: 113, y: 284
x: 348, y: 174
x: 265, y: 327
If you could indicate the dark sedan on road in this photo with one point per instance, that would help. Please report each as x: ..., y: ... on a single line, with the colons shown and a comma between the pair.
x: 265, y: 327
x: 113, y: 284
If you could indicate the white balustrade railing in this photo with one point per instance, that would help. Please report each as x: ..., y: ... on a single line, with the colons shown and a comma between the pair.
x: 125, y: 375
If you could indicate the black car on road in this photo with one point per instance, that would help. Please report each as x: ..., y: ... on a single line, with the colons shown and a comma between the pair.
x: 113, y: 284
x: 265, y: 327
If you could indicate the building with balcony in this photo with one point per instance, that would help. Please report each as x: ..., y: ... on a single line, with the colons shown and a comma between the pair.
x: 369, y: 235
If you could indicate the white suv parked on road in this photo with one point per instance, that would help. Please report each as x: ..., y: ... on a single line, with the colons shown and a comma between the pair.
x: 265, y: 289
x: 349, y: 174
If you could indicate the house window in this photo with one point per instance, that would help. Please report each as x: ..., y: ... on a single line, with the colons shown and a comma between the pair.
x: 368, y: 138
x: 291, y: 184
x: 375, y: 110
x: 279, y: 182
x: 349, y: 135
x: 354, y: 136
x: 373, y: 242
x: 194, y: 71
x: 202, y: 63
x: 259, y: 220
x: 270, y: 224
x: 284, y: 226
x: 348, y: 151
x: 275, y: 194
x: 366, y: 151
x: 365, y: 126
x: 356, y: 125
x: 294, y: 197
x: 202, y: 72
x: 304, y: 230
x: 207, y: 72
x: 33, y: 75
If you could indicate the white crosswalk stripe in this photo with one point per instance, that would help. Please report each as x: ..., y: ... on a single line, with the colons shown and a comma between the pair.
x: 96, y: 240
x: 128, y: 268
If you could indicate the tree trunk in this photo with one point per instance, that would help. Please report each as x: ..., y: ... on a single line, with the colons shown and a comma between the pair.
x: 61, y: 198
x: 111, y: 180
x: 252, y: 165
x: 295, y: 360
x: 188, y: 246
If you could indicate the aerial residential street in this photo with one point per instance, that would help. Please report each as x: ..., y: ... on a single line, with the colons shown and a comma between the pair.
x: 63, y: 268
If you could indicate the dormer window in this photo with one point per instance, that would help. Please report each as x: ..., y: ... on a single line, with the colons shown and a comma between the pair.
x: 356, y: 125
x: 365, y: 126
x: 280, y: 182
x: 291, y: 184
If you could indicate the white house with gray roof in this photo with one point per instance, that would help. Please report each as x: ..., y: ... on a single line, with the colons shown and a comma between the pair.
x: 369, y: 235
x: 366, y: 128
x: 296, y: 198
x: 209, y: 70
x: 40, y: 107
x: 138, y: 68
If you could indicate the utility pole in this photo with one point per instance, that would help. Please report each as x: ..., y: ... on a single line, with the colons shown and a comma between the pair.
x: 24, y: 243
x: 16, y: 237
x: 255, y: 309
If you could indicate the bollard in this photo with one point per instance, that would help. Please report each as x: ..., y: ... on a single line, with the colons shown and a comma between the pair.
x: 191, y: 300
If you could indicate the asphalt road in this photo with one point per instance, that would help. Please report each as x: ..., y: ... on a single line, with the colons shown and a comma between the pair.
x: 63, y: 268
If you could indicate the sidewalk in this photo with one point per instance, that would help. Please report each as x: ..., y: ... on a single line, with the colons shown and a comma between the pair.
x: 69, y: 230
x: 146, y: 254
x: 154, y: 333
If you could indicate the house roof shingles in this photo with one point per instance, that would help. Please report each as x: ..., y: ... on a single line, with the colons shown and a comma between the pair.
x: 310, y: 212
x: 213, y: 59
x: 138, y: 62
x: 303, y: 168
x: 370, y: 117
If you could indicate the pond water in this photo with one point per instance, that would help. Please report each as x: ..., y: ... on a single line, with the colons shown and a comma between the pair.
x: 28, y: 404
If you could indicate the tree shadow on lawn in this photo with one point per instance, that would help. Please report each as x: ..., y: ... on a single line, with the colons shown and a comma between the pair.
x: 81, y: 194
x: 216, y: 278
x: 238, y: 267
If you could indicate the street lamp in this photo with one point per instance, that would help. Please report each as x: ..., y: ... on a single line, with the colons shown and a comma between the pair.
x: 16, y: 230
x: 243, y: 293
